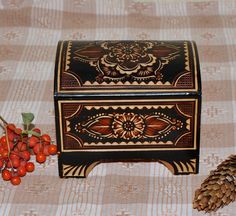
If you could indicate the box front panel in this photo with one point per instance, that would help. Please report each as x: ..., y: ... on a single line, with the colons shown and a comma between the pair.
x: 128, y: 125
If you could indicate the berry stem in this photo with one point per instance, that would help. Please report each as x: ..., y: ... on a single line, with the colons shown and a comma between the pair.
x: 2, y: 126
x: 8, y: 146
x: 41, y: 145
x: 3, y: 120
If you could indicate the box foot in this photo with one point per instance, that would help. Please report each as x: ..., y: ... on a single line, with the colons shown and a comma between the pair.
x: 83, y: 168
x: 181, y: 167
x: 80, y: 170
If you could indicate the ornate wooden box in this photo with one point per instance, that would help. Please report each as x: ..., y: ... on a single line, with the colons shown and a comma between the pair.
x: 127, y: 101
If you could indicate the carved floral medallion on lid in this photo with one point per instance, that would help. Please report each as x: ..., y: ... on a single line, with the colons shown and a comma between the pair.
x: 98, y: 65
x: 133, y: 60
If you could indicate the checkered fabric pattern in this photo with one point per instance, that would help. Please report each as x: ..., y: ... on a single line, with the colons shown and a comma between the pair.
x: 29, y: 31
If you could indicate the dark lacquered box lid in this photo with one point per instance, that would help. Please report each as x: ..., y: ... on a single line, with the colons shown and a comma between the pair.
x: 134, y: 67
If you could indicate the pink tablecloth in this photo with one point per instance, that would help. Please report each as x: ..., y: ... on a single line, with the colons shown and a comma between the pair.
x: 29, y: 31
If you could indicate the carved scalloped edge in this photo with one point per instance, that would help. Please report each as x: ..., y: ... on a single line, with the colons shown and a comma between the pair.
x: 130, y: 107
x: 128, y: 143
x: 88, y: 83
x: 186, y: 55
x: 188, y: 121
x: 68, y: 56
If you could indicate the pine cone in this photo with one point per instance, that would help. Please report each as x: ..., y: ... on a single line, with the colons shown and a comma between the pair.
x: 218, y: 189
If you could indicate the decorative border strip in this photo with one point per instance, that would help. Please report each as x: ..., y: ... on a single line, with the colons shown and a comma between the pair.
x: 130, y: 107
x: 127, y: 143
x: 159, y: 83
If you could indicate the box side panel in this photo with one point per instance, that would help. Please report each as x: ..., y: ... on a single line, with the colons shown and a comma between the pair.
x: 57, y: 68
x: 198, y: 69
x: 199, y: 121
x: 58, y: 140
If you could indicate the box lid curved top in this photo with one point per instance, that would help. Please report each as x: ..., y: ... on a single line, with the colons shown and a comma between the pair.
x: 127, y: 67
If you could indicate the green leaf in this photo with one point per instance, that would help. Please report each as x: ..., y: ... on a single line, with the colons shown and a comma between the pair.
x: 34, y: 133
x: 31, y: 132
x: 27, y: 118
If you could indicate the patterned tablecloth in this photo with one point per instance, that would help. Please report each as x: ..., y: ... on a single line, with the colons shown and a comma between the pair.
x: 29, y: 31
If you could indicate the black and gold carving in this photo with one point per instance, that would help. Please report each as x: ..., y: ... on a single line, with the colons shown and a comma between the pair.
x: 163, y: 125
x: 180, y: 166
x: 127, y: 101
x: 79, y: 170
x: 98, y: 65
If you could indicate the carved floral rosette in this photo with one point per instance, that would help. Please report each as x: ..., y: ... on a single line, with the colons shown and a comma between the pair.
x: 129, y: 126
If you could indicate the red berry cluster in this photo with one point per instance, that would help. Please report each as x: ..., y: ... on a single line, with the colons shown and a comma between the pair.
x: 16, y: 148
x: 42, y: 146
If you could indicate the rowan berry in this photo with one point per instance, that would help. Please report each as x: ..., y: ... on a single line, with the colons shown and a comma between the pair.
x: 4, y: 153
x: 1, y: 149
x: 1, y: 163
x: 33, y: 141
x: 18, y: 131
x: 15, y: 180
x: 29, y: 166
x: 40, y: 158
x: 21, y: 171
x: 52, y: 149
x: 37, y: 130
x: 11, y: 136
x: 3, y: 140
x: 46, y: 150
x: 15, y: 163
x: 37, y: 148
x: 6, y: 175
x: 13, y: 155
x: 11, y: 127
x: 21, y: 146
x: 25, y: 155
x: 23, y: 162
x: 46, y: 139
